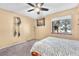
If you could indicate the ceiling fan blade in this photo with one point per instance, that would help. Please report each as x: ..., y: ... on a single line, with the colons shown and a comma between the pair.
x: 31, y: 4
x: 41, y: 4
x: 36, y: 4
x: 44, y: 9
x: 30, y: 10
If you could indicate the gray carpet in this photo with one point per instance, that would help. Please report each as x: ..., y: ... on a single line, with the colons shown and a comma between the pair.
x: 22, y: 49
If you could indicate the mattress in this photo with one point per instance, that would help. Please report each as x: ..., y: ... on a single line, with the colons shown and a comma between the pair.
x: 52, y: 46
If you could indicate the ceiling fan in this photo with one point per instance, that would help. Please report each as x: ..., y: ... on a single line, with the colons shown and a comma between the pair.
x: 37, y: 7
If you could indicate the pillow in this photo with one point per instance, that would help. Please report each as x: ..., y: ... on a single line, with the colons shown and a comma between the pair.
x: 35, y: 53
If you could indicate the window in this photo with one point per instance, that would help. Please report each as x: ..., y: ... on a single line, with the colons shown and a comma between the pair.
x: 62, y: 25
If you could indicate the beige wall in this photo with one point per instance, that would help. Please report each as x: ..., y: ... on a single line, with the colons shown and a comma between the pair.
x: 6, y: 28
x: 29, y: 30
x: 42, y: 32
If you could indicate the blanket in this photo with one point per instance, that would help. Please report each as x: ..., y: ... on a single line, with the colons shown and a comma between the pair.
x: 52, y: 46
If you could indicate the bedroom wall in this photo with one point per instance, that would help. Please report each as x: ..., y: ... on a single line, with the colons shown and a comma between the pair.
x: 42, y: 32
x: 6, y: 28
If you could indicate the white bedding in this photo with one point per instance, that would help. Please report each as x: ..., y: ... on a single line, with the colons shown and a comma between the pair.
x: 52, y: 46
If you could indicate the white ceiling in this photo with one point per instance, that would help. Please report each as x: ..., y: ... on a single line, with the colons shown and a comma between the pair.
x: 22, y: 8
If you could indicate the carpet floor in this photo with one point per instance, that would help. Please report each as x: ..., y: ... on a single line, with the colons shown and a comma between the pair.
x: 22, y: 49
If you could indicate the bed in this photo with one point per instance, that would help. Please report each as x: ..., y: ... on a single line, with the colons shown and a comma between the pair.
x: 52, y: 46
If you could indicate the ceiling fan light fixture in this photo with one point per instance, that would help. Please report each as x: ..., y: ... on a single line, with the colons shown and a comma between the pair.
x: 37, y: 9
